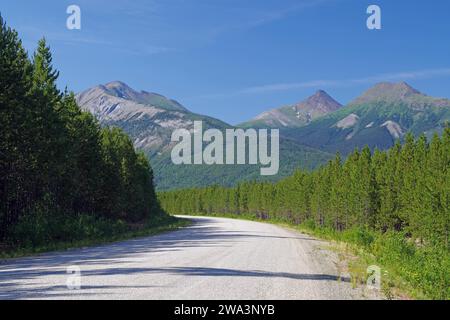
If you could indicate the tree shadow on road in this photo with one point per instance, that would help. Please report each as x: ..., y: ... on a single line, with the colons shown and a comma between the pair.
x: 17, y: 273
x: 219, y: 272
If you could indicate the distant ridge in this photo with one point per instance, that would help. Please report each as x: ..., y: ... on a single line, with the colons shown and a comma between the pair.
x: 380, y: 116
x: 149, y: 118
x: 300, y: 114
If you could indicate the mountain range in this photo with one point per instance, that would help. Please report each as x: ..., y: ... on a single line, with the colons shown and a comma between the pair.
x: 149, y: 119
x: 311, y: 130
x: 378, y: 118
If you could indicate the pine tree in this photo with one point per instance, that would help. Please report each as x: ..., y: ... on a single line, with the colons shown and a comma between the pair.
x: 52, y: 144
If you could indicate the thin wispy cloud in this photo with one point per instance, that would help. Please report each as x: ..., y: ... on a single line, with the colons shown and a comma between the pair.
x: 327, y: 83
x: 283, y: 13
x: 81, y: 39
x: 153, y: 15
x: 263, y: 18
x: 146, y: 50
x: 407, y: 75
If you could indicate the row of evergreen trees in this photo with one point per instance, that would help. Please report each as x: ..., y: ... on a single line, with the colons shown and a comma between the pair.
x: 406, y: 188
x: 55, y: 158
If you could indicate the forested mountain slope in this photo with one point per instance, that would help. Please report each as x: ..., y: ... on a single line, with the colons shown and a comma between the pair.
x: 150, y: 119
x: 379, y: 117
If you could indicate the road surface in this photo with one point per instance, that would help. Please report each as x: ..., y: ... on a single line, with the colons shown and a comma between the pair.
x: 215, y: 258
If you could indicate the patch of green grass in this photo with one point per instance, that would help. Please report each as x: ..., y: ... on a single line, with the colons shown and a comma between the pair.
x: 40, y: 234
x: 407, y: 270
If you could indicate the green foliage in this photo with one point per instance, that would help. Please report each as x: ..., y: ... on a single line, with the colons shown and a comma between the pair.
x: 60, y: 172
x: 425, y: 268
x: 41, y: 232
x: 39, y: 229
x: 360, y: 236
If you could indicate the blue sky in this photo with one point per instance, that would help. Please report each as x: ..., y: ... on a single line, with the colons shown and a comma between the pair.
x: 233, y: 59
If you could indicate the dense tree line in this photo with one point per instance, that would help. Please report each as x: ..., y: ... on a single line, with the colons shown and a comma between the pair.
x: 406, y: 188
x: 55, y: 159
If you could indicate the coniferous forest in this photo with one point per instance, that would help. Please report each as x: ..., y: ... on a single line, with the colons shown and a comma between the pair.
x: 397, y: 203
x: 63, y: 177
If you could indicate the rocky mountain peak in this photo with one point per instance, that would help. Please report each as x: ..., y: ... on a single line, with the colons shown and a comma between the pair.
x: 120, y: 90
x: 388, y: 91
x: 321, y: 101
x: 300, y: 114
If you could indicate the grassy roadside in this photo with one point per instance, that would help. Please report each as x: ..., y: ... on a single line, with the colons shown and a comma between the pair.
x: 407, y: 271
x: 100, y: 232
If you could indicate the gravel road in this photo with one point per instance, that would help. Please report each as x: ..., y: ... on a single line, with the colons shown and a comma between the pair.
x: 215, y: 258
